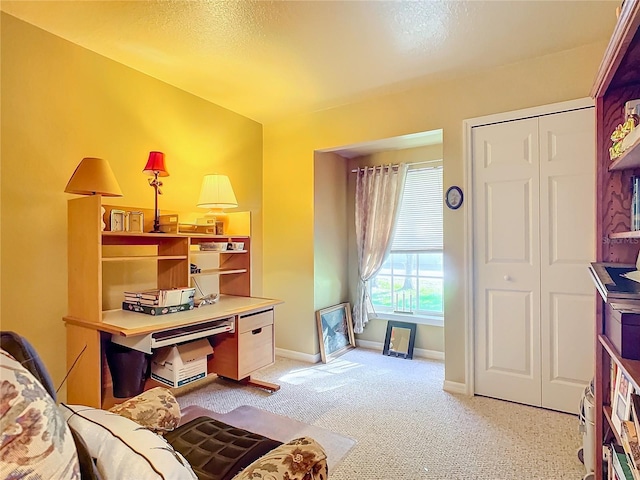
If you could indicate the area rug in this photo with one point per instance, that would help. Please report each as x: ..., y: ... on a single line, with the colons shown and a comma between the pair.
x: 278, y: 427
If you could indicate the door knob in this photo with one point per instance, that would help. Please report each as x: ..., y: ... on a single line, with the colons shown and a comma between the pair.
x: 507, y: 278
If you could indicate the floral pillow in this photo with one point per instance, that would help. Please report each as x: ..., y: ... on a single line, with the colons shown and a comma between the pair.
x: 35, y: 441
x: 156, y: 409
x: 300, y: 459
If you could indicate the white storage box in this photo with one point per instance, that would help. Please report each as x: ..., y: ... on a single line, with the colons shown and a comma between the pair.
x: 179, y: 365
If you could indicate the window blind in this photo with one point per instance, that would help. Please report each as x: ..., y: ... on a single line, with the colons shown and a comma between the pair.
x: 419, y: 225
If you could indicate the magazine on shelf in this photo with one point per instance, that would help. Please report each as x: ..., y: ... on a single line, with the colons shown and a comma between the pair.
x: 611, y: 282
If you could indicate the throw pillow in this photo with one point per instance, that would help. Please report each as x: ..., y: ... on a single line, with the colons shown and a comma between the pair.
x: 156, y: 409
x: 125, y: 450
x: 300, y: 459
x: 35, y: 441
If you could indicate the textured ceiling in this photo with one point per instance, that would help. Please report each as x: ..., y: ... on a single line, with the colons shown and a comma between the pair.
x: 268, y: 59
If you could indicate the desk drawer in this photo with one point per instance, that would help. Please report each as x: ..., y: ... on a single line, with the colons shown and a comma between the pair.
x: 255, y: 320
x: 255, y: 349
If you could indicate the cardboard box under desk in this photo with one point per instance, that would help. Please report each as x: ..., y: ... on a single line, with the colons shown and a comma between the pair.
x: 178, y: 365
x: 622, y: 327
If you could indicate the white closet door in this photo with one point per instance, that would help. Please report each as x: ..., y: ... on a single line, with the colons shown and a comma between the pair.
x: 507, y: 261
x: 567, y: 232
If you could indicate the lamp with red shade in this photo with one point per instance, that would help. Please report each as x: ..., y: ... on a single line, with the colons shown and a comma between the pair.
x: 155, y: 166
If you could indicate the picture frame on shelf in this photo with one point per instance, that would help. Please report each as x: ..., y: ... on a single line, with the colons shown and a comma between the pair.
x: 335, y: 331
x: 135, y: 222
x: 117, y: 220
x: 621, y: 408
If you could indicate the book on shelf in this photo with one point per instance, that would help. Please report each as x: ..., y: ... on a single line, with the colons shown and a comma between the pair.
x: 611, y: 282
x: 161, y: 297
x: 635, y: 410
x: 135, y: 307
x: 621, y: 463
x: 631, y: 447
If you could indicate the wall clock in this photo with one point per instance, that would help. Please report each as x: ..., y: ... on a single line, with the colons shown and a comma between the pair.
x: 454, y: 197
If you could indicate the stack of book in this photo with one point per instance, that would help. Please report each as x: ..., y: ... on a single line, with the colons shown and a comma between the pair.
x: 158, y: 301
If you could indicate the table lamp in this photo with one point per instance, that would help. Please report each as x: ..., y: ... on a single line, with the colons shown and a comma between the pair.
x: 155, y: 166
x: 216, y: 194
x: 93, y: 176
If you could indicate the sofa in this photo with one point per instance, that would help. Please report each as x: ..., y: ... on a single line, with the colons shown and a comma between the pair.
x: 140, y: 439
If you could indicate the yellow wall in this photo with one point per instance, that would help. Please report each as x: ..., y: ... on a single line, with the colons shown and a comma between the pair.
x: 289, y: 147
x: 428, y: 337
x: 60, y: 103
x: 331, y: 228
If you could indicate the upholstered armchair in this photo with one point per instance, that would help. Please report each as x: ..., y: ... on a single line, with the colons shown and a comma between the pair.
x: 139, y: 439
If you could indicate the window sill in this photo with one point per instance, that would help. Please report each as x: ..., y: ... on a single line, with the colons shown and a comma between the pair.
x: 435, y: 321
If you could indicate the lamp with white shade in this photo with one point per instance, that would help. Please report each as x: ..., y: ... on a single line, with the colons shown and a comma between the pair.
x: 217, y: 194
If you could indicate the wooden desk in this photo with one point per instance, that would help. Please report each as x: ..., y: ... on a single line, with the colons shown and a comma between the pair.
x: 237, y: 354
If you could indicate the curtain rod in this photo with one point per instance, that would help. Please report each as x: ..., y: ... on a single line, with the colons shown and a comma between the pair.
x: 395, y: 167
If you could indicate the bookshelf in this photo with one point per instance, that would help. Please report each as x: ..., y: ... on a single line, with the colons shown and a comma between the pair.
x: 617, y: 81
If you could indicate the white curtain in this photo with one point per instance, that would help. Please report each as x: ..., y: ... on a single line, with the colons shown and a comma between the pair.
x: 378, y: 194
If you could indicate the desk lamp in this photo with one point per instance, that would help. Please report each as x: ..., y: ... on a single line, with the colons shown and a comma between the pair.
x: 155, y: 166
x: 216, y: 193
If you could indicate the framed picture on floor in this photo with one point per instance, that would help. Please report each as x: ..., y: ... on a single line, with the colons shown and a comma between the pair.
x: 621, y: 408
x: 335, y: 331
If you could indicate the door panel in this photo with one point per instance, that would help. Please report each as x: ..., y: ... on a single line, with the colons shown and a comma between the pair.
x: 506, y: 260
x: 509, y: 327
x: 501, y: 199
x: 567, y: 182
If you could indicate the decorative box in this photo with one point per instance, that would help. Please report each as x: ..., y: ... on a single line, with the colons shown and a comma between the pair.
x: 622, y: 327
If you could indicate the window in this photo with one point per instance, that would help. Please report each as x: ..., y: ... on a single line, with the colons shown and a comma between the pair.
x: 410, y: 281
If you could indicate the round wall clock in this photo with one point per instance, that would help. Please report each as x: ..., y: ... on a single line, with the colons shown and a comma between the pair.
x: 454, y: 197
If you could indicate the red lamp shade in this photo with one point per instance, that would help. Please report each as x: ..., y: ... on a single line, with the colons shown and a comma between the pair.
x: 156, y: 164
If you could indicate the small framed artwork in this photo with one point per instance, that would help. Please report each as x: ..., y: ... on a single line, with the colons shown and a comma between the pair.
x: 621, y: 408
x: 136, y: 222
x: 335, y: 331
x: 399, y: 340
x: 117, y: 220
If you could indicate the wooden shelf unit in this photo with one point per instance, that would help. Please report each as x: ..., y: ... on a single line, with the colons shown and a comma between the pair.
x: 90, y: 326
x: 617, y: 81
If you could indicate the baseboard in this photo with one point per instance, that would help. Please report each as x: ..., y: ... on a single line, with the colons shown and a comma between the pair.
x: 455, y: 387
x: 305, y: 357
x: 417, y: 352
x: 293, y: 355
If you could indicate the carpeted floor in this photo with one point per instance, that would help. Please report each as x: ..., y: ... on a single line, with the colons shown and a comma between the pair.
x: 406, y: 426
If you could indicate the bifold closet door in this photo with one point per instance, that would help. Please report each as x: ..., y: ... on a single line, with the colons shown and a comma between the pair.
x: 507, y: 260
x: 534, y: 220
x: 567, y: 233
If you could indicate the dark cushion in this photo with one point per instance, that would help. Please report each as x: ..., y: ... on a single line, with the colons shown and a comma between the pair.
x: 217, y: 451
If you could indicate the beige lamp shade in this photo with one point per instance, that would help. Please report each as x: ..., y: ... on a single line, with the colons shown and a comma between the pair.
x: 216, y: 193
x: 94, y: 176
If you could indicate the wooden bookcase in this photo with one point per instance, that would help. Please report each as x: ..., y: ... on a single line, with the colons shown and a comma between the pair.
x: 617, y: 81
x: 168, y: 257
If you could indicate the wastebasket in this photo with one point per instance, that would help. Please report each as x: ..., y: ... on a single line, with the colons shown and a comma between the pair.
x: 587, y: 429
x: 129, y: 370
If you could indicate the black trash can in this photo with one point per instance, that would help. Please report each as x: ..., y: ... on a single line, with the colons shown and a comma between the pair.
x: 129, y: 370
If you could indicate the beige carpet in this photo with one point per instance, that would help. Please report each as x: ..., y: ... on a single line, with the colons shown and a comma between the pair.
x: 405, y: 425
